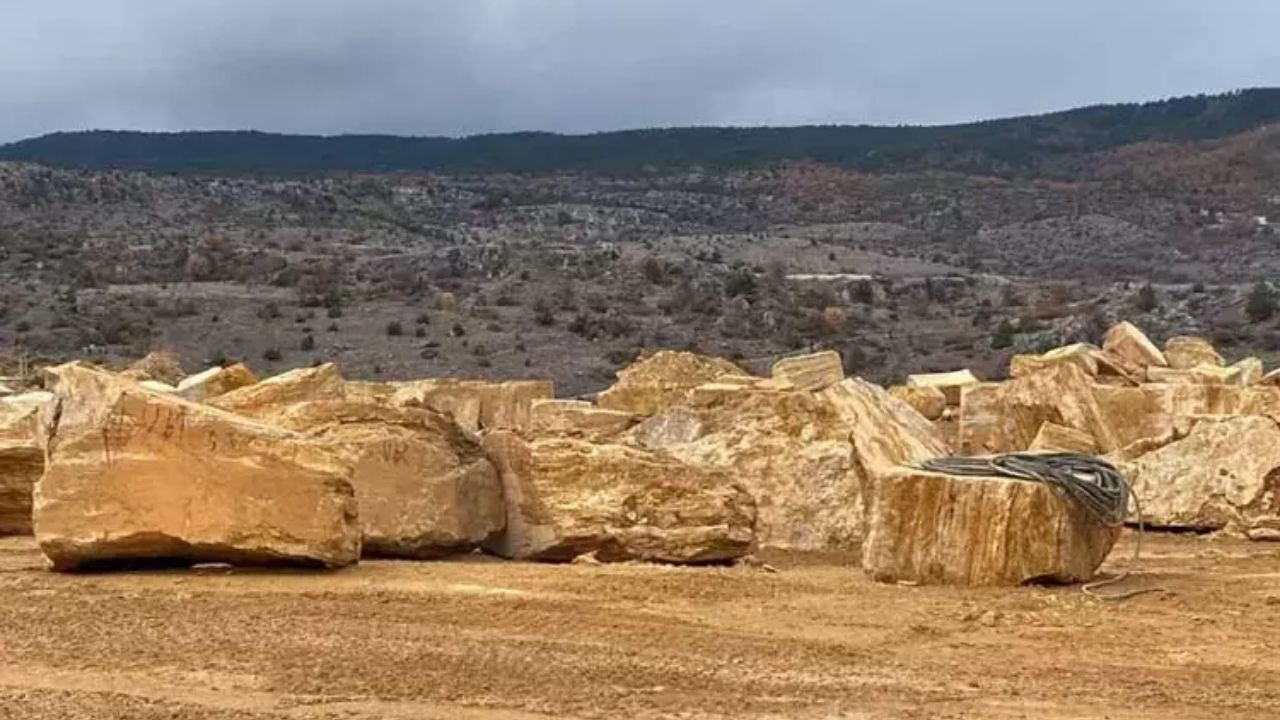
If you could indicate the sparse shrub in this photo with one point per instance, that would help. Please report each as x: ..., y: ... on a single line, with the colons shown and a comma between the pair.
x: 458, y: 330
x: 622, y: 356
x: 740, y: 282
x: 423, y: 319
x: 1261, y: 304
x: 270, y: 311
x: 832, y: 319
x: 543, y: 314
x: 22, y: 326
x: 1146, y: 300
x: 446, y: 302
x: 394, y: 329
x: 308, y: 343
x: 333, y: 327
x: 506, y: 298
x: 1003, y: 336
x: 863, y: 292
x: 596, y: 303
x: 272, y: 355
x: 654, y: 270
x: 855, y: 360
x: 420, y: 332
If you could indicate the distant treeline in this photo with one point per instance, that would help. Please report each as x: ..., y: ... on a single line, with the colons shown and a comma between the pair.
x: 1041, y: 144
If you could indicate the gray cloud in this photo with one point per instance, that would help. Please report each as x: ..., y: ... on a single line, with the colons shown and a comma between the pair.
x: 465, y: 66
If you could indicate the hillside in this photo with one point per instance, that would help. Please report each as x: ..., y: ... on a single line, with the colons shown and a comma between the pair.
x: 1053, y: 144
x: 571, y: 275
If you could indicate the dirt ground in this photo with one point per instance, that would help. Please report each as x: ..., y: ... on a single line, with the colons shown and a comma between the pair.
x: 480, y: 639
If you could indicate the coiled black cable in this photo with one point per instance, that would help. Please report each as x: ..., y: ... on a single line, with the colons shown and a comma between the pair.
x: 1090, y: 482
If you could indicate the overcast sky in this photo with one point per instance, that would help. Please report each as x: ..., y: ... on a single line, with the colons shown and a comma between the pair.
x: 452, y: 67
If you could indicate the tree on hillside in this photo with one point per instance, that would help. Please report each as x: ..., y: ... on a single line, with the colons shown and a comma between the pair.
x: 1147, y: 299
x: 1262, y: 302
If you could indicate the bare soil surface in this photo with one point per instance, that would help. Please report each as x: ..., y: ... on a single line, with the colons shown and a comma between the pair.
x: 483, y: 639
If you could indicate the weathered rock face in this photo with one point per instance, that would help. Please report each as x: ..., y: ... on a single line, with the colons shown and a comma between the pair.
x: 1127, y: 342
x: 1056, y: 438
x: 425, y: 489
x: 508, y: 405
x: 1150, y: 411
x: 662, y: 380
x: 132, y: 475
x: 216, y: 381
x: 1185, y: 352
x: 804, y: 457
x: 885, y: 431
x: 932, y: 528
x: 262, y: 399
x: 21, y: 459
x: 567, y: 496
x: 1006, y: 417
x: 950, y: 383
x: 1081, y: 355
x: 810, y: 372
x: 476, y: 405
x: 1198, y: 375
x: 1248, y: 371
x: 1224, y: 474
x: 160, y: 365
x: 577, y: 418
x: 928, y: 401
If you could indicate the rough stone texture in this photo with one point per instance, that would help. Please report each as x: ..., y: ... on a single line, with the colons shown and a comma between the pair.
x: 1185, y: 352
x: 885, y: 431
x: 950, y: 383
x: 928, y: 401
x: 1056, y: 438
x: 424, y: 487
x: 1248, y: 371
x: 1245, y: 372
x: 216, y: 381
x: 676, y: 426
x: 507, y: 405
x: 1223, y: 474
x: 1128, y: 343
x: 937, y: 529
x: 21, y: 459
x: 1081, y: 355
x: 1150, y: 411
x: 804, y: 457
x: 134, y: 476
x: 567, y: 497
x: 662, y: 380
x: 1198, y: 375
x: 160, y: 365
x: 790, y: 450
x: 578, y: 419
x: 459, y: 399
x: 1006, y: 417
x: 810, y: 372
x: 474, y: 404
x: 265, y: 398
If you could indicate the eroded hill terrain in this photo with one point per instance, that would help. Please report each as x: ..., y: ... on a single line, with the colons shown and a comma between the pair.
x: 570, y: 276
